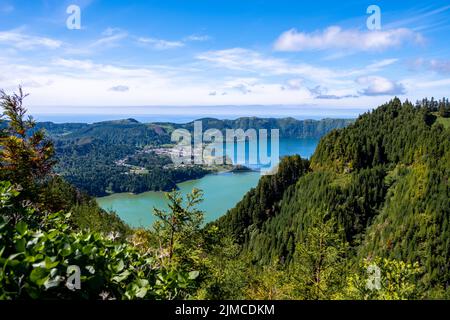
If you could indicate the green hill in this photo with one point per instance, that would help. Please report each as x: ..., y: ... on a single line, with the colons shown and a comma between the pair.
x: 383, y: 179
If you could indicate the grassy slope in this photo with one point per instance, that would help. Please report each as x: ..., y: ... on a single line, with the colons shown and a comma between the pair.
x: 444, y: 121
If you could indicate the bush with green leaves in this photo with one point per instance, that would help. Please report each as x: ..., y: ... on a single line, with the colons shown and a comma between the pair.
x: 34, y: 263
x: 383, y: 279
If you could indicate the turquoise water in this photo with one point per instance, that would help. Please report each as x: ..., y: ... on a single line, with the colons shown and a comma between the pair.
x: 221, y: 191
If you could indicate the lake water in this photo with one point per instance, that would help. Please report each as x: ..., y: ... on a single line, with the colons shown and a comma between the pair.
x: 221, y: 191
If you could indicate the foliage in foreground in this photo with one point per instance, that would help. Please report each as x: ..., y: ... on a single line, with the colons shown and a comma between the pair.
x: 36, y: 263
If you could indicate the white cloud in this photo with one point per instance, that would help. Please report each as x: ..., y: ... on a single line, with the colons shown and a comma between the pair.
x: 243, y: 85
x: 436, y: 65
x: 69, y: 82
x: 86, y: 69
x: 341, y: 81
x: 422, y: 19
x: 249, y: 77
x: 380, y: 64
x: 335, y: 37
x: 371, y: 68
x: 377, y: 86
x: 195, y: 37
x: 119, y: 88
x: 423, y: 83
x: 335, y: 97
x: 293, y: 84
x: 19, y: 40
x: 320, y: 92
x: 84, y: 83
x: 240, y: 59
x: 74, y: 64
x: 110, y: 38
x: 160, y: 44
x: 245, y: 60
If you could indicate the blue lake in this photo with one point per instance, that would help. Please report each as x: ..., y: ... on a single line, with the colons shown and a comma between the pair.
x: 221, y: 191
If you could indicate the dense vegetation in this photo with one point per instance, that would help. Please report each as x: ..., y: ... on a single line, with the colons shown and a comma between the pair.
x: 88, y: 154
x: 375, y: 196
x: 92, y: 168
x: 383, y: 181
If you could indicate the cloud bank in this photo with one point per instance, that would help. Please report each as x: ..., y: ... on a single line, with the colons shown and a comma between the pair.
x: 335, y: 37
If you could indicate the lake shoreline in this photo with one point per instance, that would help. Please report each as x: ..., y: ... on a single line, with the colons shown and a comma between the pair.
x: 222, y: 190
x: 233, y: 170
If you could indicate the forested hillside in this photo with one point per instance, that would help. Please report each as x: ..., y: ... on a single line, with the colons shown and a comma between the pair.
x: 383, y: 181
x: 89, y: 157
x: 288, y: 127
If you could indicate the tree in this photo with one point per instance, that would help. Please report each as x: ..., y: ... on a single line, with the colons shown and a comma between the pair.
x: 179, y: 227
x: 26, y: 155
x: 269, y: 282
x: 444, y: 110
x: 26, y: 161
x: 319, y: 260
x: 226, y: 272
x: 392, y: 280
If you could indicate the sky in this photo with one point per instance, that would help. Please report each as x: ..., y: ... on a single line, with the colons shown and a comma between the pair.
x: 272, y: 57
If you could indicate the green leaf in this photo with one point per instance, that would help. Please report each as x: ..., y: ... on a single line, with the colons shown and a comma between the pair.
x: 66, y: 250
x: 33, y: 292
x: 15, y: 255
x: 193, y: 275
x: 52, y: 234
x: 32, y: 242
x: 21, y: 228
x: 11, y: 260
x: 51, y: 283
x: 91, y: 269
x: 51, y: 262
x: 39, y: 275
x: 142, y: 282
x: 120, y: 265
x: 21, y: 245
x: 121, y: 277
x: 141, y: 292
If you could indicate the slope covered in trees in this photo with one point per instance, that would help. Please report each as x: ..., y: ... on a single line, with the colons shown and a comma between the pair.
x: 289, y: 127
x: 383, y: 180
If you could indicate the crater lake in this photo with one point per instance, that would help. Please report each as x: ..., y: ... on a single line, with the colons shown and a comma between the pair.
x: 221, y: 190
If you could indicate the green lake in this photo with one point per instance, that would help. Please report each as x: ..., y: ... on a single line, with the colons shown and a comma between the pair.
x: 221, y: 191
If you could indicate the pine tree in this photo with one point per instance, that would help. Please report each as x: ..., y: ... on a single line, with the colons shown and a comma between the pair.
x: 179, y: 227
x: 319, y: 261
x: 444, y: 110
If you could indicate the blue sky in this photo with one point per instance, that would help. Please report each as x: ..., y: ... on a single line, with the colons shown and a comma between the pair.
x: 274, y: 54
